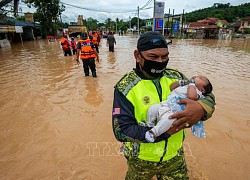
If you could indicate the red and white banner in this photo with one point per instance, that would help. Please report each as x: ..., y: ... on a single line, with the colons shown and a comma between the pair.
x: 159, y: 10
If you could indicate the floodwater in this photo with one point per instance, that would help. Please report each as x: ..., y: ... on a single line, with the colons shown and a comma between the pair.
x: 56, y: 124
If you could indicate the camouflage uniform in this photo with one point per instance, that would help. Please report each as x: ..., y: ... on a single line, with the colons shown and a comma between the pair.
x: 173, y: 169
x: 130, y: 129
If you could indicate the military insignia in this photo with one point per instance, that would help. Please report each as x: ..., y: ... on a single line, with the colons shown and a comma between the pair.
x: 146, y: 100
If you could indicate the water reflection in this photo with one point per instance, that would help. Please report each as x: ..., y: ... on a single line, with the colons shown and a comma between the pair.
x: 49, y: 111
x: 231, y: 44
x: 111, y: 58
x: 93, y: 94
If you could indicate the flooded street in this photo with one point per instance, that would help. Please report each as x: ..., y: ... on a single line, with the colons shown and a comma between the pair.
x: 56, y: 124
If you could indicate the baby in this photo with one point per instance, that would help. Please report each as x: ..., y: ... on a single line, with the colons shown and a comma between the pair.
x: 157, y: 115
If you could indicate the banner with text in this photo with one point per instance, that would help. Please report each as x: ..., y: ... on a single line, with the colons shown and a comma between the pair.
x: 159, y: 16
x: 158, y: 24
x: 159, y: 10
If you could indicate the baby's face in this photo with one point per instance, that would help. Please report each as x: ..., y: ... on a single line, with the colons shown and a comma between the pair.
x: 200, y: 82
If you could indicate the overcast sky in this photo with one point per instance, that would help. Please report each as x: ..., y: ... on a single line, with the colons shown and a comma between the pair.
x: 123, y: 9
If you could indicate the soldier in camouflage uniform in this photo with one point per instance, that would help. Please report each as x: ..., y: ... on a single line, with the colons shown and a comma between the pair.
x: 149, y: 84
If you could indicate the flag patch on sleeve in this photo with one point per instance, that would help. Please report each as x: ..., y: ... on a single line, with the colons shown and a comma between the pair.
x: 116, y: 111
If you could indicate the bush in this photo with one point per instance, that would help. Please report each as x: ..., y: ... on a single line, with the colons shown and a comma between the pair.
x: 247, y: 31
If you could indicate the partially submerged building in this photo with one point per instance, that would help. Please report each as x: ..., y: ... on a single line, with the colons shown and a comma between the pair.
x: 245, y: 25
x: 206, y: 28
x: 14, y: 30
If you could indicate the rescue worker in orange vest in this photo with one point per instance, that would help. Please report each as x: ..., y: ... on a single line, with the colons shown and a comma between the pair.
x: 95, y: 40
x: 87, y: 53
x: 73, y: 45
x: 66, y: 46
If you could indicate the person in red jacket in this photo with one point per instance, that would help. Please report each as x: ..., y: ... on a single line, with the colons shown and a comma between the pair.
x: 95, y: 40
x: 73, y: 45
x: 66, y: 46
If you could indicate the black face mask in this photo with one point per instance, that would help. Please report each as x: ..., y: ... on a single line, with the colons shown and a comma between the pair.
x: 154, y: 68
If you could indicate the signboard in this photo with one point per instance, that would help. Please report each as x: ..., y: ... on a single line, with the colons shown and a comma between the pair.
x: 176, y: 27
x: 19, y: 29
x: 28, y: 17
x: 159, y: 10
x: 8, y: 28
x: 11, y: 29
x: 158, y: 16
x: 3, y: 29
x: 158, y: 25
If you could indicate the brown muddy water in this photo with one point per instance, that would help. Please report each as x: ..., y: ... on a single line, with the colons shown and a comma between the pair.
x: 56, y: 124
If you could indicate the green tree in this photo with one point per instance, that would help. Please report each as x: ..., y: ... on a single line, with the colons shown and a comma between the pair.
x: 134, y: 22
x: 123, y: 26
x: 221, y: 11
x: 21, y: 18
x: 91, y: 24
x: 100, y: 25
x: 109, y: 24
x: 48, y: 13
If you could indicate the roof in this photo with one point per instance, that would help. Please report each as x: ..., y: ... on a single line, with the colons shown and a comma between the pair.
x: 15, y: 22
x: 213, y: 20
x: 245, y: 19
x: 205, y: 21
x: 199, y: 25
x: 224, y: 22
x: 196, y: 24
x: 235, y: 24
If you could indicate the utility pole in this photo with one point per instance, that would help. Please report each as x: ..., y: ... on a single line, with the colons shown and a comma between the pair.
x: 182, y: 21
x: 154, y: 17
x: 168, y: 20
x: 129, y: 23
x: 138, y: 23
x: 61, y: 23
x: 172, y: 22
x: 116, y: 26
x: 163, y: 23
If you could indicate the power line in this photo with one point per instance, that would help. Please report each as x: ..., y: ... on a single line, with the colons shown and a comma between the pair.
x: 146, y: 8
x: 147, y: 4
x: 96, y: 10
x: 67, y: 17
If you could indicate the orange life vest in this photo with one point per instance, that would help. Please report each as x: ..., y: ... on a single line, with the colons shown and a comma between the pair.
x: 73, y: 45
x: 86, y: 50
x: 65, y: 44
x: 95, y: 38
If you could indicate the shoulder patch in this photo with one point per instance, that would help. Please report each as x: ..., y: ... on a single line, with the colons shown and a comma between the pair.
x: 127, y: 82
x: 172, y: 73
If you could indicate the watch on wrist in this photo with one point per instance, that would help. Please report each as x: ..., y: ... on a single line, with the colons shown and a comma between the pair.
x: 191, y: 80
x: 183, y: 82
x: 149, y: 136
